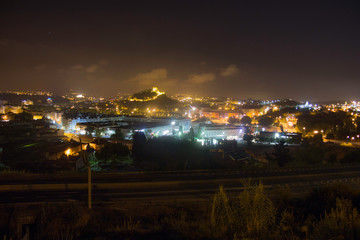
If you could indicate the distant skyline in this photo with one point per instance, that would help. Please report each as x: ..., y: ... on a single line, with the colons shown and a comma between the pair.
x: 244, y: 49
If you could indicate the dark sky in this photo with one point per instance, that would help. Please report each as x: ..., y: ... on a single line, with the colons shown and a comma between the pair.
x: 259, y: 49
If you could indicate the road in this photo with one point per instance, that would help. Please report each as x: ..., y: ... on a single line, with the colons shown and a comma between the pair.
x: 344, y: 143
x: 163, y: 187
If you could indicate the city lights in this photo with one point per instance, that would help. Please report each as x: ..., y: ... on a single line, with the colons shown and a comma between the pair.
x: 179, y: 120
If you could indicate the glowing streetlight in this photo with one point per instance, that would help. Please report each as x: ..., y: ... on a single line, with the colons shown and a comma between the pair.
x: 68, y: 152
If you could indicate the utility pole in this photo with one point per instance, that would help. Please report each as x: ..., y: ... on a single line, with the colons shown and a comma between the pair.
x: 89, y: 184
x: 89, y: 175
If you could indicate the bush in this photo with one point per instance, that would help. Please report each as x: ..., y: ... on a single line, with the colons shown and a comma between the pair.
x: 63, y: 223
x: 250, y: 216
x: 310, y: 154
x: 223, y: 216
x: 353, y: 156
x: 323, y: 199
x: 342, y: 222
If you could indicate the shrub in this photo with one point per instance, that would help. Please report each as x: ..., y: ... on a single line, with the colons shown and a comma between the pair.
x: 63, y: 223
x: 342, y: 222
x: 250, y: 215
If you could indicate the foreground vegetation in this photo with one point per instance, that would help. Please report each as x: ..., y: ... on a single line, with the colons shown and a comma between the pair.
x: 330, y: 212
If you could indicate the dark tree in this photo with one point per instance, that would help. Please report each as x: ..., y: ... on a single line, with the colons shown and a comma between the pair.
x: 330, y: 136
x: 265, y: 121
x: 139, y: 142
x: 317, y: 139
x: 233, y: 120
x: 111, y: 149
x: 118, y: 135
x: 248, y: 138
x: 23, y: 117
x: 246, y: 120
x: 192, y: 134
x: 281, y: 154
x: 112, y: 152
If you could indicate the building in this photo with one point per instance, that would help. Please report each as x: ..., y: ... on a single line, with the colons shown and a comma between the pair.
x: 213, y: 134
x: 220, y: 114
x: 294, y: 138
x: 157, y: 128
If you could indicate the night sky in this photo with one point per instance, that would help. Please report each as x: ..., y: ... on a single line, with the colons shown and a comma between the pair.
x: 258, y: 49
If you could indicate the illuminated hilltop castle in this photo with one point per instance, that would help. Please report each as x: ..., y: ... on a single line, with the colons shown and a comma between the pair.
x: 146, y: 95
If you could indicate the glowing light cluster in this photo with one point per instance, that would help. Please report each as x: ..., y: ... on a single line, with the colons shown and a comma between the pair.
x: 155, y: 90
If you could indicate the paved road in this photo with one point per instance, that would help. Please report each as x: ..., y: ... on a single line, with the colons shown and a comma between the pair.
x: 140, y: 188
x: 344, y: 143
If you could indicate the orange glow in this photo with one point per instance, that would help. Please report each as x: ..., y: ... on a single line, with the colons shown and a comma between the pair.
x: 37, y: 117
x: 68, y: 152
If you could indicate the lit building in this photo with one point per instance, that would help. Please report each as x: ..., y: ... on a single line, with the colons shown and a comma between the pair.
x: 277, y: 136
x: 222, y: 132
x: 27, y: 102
x: 157, y: 128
